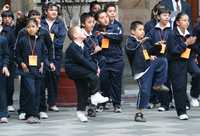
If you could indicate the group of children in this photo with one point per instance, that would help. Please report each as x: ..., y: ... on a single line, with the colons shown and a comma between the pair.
x: 160, y: 56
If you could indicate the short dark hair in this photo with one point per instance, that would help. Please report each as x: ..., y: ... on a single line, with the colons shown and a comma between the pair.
x: 28, y: 20
x: 84, y: 17
x: 98, y: 13
x: 109, y: 5
x: 7, y: 13
x: 33, y: 12
x: 135, y: 24
x: 92, y: 4
x: 163, y: 9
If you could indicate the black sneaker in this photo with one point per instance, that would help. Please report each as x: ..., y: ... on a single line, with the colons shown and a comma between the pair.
x: 117, y: 109
x: 91, y: 111
x: 139, y: 117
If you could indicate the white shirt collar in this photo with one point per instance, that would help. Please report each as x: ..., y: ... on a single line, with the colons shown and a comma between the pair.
x: 175, y: 6
x: 181, y: 33
x: 158, y: 26
x: 80, y: 44
x: 135, y: 37
x: 50, y: 23
x: 86, y: 33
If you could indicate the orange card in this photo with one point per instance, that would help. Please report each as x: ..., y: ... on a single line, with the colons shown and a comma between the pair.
x: 32, y: 60
x: 186, y: 53
x: 105, y: 43
x: 146, y: 55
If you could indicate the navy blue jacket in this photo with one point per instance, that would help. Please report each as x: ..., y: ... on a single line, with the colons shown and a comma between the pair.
x: 156, y: 35
x: 59, y: 30
x: 23, y: 50
x: 149, y: 25
x: 115, y: 35
x: 4, y: 52
x: 134, y: 51
x: 9, y: 33
x: 78, y: 62
x: 178, y: 46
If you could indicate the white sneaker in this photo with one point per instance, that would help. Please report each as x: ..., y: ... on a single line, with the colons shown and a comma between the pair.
x: 81, y: 116
x: 161, y: 109
x: 11, y: 108
x: 54, y: 108
x: 43, y: 115
x: 194, y: 102
x: 22, y: 116
x: 183, y: 117
x: 98, y: 98
x: 3, y: 120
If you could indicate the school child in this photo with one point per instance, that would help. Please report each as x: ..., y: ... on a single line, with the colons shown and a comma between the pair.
x: 43, y: 34
x: 91, y: 44
x: 31, y: 56
x: 80, y: 67
x: 57, y: 31
x: 95, y: 6
x: 110, y: 36
x: 180, y: 50
x: 4, y: 61
x: 157, y: 45
x: 144, y: 67
x: 9, y: 32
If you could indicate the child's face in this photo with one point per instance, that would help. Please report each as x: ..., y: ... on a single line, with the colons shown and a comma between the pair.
x: 164, y: 18
x: 32, y: 28
x: 103, y: 19
x: 183, y: 22
x: 111, y: 11
x: 138, y: 32
x: 79, y: 34
x: 89, y: 24
x: 7, y: 20
x: 96, y: 8
x: 52, y: 12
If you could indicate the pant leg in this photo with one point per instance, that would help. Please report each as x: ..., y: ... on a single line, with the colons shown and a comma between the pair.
x: 105, y: 82
x: 145, y: 84
x: 82, y: 94
x: 116, y: 72
x: 3, y: 100
x: 43, y: 100
x: 178, y: 76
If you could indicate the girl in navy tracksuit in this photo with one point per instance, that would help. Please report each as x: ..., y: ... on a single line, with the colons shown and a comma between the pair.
x: 31, y: 55
x: 180, y: 50
x: 4, y: 60
x: 57, y: 31
x: 110, y: 36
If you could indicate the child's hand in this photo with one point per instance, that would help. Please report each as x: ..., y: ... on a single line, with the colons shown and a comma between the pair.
x: 52, y: 66
x: 153, y: 57
x: 97, y: 49
x: 98, y: 71
x: 191, y: 40
x: 5, y: 71
x: 24, y: 67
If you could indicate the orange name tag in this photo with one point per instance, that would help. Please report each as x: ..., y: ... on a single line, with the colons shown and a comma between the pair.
x: 186, y: 53
x: 105, y: 43
x: 32, y: 60
x: 163, y: 48
x: 52, y: 36
x: 146, y: 55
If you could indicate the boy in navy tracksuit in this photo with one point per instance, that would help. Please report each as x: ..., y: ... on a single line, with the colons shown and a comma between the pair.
x: 180, y: 50
x: 81, y: 68
x: 9, y: 32
x: 92, y: 46
x: 31, y: 55
x: 110, y: 35
x: 144, y: 67
x: 157, y: 45
x: 57, y: 31
x: 4, y: 61
x: 43, y: 34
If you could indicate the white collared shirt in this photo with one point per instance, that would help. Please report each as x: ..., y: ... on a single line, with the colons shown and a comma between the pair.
x: 181, y: 33
x: 50, y: 23
x: 86, y: 33
x: 175, y: 6
x: 162, y: 28
x: 80, y: 44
